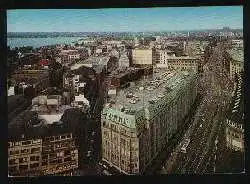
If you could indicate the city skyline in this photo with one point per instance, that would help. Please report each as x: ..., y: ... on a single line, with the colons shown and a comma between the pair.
x: 125, y: 19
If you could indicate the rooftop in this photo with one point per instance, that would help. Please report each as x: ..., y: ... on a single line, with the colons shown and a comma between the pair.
x: 236, y: 54
x: 147, y: 91
x: 29, y: 124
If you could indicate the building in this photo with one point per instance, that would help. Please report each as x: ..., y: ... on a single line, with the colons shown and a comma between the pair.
x: 160, y: 56
x: 37, y: 147
x: 29, y: 59
x: 73, y: 82
x: 236, y: 59
x: 124, y: 60
x: 142, y: 56
x: 99, y: 50
x: 98, y: 63
x: 167, y: 59
x: 17, y: 104
x: 80, y: 102
x: 68, y: 56
x: 195, y: 48
x: 31, y: 81
x: 235, y: 119
x: 138, y: 121
x: 121, y: 77
x: 113, y: 43
x: 237, y: 43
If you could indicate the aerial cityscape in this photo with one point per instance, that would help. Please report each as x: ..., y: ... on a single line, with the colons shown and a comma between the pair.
x: 125, y: 91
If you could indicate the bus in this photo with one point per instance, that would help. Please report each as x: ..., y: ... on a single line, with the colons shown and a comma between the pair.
x: 185, y: 145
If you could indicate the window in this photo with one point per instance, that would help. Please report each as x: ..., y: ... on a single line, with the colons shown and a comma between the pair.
x: 17, y: 143
x: 11, y: 152
x: 57, y: 138
x: 44, y: 163
x: 36, y: 141
x: 13, y: 169
x: 58, y: 145
x: 67, y: 159
x: 123, y: 142
x: 53, y: 161
x: 44, y: 157
x: 23, y: 167
x: 34, y: 158
x: 35, y: 150
x: 26, y: 143
x: 13, y: 161
x: 120, y: 120
x: 69, y: 136
x: 67, y: 153
x: 25, y: 151
x: 23, y: 160
x: 35, y: 165
x: 63, y: 137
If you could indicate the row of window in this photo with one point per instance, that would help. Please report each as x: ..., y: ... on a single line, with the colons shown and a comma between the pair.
x: 236, y: 135
x: 24, y: 143
x: 23, y: 168
x: 55, y: 138
x: 23, y: 160
x: 25, y: 151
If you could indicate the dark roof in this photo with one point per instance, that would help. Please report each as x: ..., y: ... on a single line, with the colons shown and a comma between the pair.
x: 14, y: 101
x: 23, y: 125
x: 237, y: 115
x: 17, y: 104
x: 83, y: 70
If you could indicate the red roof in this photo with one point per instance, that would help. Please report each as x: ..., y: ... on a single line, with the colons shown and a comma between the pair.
x: 44, y: 62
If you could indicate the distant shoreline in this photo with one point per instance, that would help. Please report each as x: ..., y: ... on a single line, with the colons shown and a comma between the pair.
x: 86, y: 34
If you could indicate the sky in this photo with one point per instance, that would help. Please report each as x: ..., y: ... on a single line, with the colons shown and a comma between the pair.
x: 124, y: 19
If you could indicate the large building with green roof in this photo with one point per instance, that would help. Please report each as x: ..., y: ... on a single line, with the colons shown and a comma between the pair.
x: 139, y: 120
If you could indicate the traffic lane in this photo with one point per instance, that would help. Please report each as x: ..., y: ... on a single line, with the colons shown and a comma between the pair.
x: 175, y: 166
x: 211, y: 144
x: 192, y: 151
x: 205, y: 145
x: 183, y: 158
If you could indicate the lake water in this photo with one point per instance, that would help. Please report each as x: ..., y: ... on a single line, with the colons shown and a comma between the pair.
x: 39, y: 42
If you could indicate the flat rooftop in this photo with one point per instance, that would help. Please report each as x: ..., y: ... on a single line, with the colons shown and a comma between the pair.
x: 147, y: 91
x: 29, y: 124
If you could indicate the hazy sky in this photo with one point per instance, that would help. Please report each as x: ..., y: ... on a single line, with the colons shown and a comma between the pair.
x: 124, y: 19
